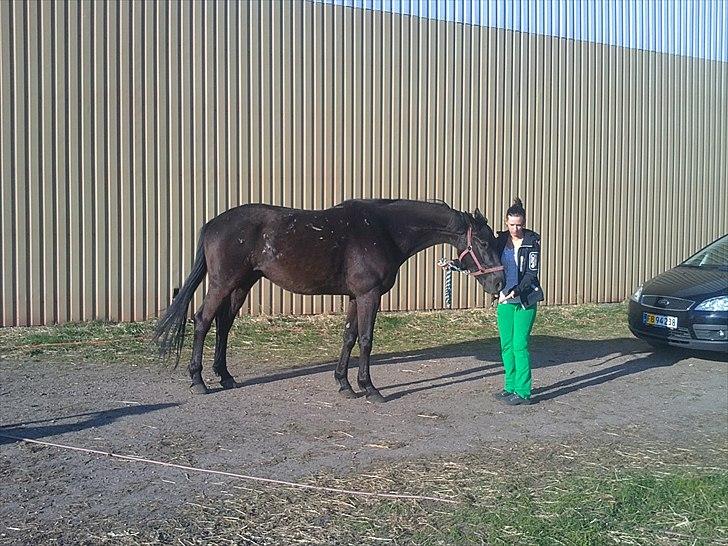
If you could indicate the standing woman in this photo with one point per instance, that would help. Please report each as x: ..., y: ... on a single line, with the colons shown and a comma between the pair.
x: 520, y: 252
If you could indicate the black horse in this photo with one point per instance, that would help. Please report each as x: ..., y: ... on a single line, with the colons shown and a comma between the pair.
x: 353, y: 249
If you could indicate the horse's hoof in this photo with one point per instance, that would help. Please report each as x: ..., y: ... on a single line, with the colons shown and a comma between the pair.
x: 199, y: 388
x: 375, y: 397
x: 347, y: 393
x: 229, y: 383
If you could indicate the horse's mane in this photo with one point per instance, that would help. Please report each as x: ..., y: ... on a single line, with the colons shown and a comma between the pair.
x: 453, y: 224
x: 391, y: 201
x: 439, y: 202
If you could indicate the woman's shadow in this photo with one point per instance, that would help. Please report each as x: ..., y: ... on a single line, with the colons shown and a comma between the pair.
x: 643, y: 357
x: 547, y: 351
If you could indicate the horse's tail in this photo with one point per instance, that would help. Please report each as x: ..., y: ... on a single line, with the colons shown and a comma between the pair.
x: 170, y: 330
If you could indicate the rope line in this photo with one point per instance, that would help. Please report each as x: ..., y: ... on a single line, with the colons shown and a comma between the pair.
x: 231, y: 474
x: 448, y: 267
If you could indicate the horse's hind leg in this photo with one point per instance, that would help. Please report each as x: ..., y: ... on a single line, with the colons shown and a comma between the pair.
x: 223, y: 322
x: 351, y: 331
x: 203, y: 320
x: 367, y: 307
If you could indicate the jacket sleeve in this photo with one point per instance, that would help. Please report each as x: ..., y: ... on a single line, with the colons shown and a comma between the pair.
x: 532, y: 268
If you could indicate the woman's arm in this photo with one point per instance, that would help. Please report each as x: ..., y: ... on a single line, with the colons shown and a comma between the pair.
x: 532, y: 268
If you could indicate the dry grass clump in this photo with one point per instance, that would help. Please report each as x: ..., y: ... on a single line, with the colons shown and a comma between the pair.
x: 518, y: 494
x: 634, y: 491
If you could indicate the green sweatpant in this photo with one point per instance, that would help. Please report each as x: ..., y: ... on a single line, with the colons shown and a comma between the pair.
x: 514, y: 326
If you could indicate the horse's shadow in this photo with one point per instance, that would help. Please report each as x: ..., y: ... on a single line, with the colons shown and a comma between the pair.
x: 546, y: 351
x: 15, y: 432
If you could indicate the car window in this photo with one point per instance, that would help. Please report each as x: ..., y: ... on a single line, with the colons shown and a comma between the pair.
x: 712, y: 256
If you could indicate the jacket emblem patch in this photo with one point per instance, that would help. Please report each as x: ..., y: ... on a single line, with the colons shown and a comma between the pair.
x: 533, y: 261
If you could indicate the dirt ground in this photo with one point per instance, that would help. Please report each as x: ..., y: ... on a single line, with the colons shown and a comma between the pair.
x: 291, y: 424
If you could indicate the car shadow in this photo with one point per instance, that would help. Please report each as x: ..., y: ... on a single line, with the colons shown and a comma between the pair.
x: 34, y: 430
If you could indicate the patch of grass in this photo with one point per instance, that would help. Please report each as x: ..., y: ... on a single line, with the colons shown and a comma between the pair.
x: 636, y: 508
x: 586, y: 321
x: 96, y: 340
x: 286, y: 341
x: 522, y: 494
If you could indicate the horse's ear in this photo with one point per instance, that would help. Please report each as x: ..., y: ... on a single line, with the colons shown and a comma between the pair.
x: 479, y: 216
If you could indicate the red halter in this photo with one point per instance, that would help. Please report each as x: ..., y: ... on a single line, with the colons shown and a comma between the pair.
x: 469, y: 250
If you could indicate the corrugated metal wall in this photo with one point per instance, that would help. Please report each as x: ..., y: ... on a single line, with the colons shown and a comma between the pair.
x: 126, y: 125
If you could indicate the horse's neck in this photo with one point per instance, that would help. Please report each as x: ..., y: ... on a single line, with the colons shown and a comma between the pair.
x: 418, y: 230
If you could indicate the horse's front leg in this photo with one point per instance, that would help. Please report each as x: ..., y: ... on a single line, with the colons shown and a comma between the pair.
x: 367, y: 307
x: 350, y: 334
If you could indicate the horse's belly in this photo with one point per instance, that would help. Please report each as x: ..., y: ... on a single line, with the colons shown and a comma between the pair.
x: 305, y: 280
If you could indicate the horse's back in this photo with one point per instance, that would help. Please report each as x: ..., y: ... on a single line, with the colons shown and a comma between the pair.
x: 247, y: 216
x: 258, y: 211
x: 254, y: 220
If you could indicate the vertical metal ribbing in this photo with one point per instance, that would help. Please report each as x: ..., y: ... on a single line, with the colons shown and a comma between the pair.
x: 161, y: 296
x: 7, y: 265
x: 126, y: 126
x: 275, y: 178
x: 27, y: 213
x: 20, y: 163
x: 287, y: 164
x: 47, y: 209
x: 150, y: 173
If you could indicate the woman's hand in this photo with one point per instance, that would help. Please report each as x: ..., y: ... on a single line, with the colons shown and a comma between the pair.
x: 502, y: 298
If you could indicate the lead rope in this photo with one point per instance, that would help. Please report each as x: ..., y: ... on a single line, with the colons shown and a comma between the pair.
x: 448, y: 267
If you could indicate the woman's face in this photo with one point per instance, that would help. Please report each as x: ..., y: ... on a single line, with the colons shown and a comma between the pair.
x: 515, y: 226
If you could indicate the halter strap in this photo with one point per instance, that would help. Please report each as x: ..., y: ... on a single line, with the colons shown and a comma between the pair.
x: 469, y: 250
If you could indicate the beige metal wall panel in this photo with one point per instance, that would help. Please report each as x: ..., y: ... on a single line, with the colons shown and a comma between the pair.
x: 126, y: 125
x: 7, y: 174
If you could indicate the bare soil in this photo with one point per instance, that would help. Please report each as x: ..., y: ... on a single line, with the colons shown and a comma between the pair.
x: 290, y: 424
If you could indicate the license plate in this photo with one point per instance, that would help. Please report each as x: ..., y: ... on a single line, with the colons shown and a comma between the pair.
x: 663, y: 321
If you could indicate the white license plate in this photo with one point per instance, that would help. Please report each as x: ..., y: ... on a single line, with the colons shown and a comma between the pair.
x: 664, y: 321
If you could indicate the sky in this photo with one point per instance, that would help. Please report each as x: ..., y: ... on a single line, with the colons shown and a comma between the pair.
x: 695, y: 28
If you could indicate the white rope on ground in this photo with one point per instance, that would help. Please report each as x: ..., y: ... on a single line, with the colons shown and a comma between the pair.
x: 231, y: 474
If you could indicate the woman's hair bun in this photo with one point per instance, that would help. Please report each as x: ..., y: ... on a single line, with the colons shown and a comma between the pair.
x: 516, y: 209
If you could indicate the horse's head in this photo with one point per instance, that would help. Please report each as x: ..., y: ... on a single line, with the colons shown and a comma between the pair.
x: 477, y: 252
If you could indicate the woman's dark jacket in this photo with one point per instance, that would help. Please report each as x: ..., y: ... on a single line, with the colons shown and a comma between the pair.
x: 529, y: 263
